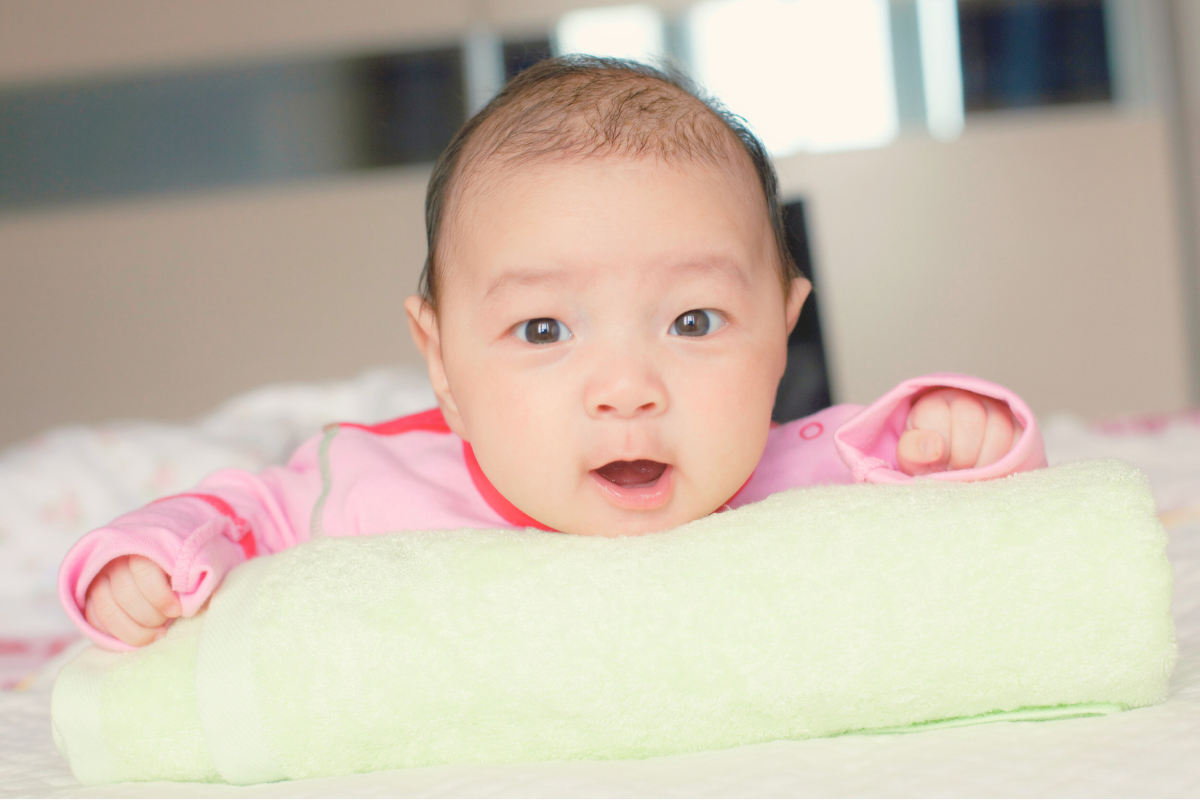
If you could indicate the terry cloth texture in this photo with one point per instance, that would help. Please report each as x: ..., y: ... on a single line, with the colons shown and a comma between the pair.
x: 815, y: 612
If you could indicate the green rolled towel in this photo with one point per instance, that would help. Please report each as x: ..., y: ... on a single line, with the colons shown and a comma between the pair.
x: 816, y: 612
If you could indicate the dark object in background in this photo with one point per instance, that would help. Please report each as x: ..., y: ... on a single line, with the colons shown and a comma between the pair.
x: 1021, y: 53
x: 234, y: 126
x: 521, y: 55
x: 131, y: 135
x: 804, y: 389
x: 414, y: 105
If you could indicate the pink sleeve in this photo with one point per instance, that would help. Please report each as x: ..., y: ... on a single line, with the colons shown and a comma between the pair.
x: 867, y: 442
x: 199, y: 536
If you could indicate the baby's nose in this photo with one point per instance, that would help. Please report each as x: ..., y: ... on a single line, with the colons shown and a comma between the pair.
x: 626, y: 409
x: 627, y: 395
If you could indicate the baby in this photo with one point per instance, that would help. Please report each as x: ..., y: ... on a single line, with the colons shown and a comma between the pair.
x: 604, y: 314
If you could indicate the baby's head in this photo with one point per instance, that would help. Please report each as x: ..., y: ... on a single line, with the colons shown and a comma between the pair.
x: 607, y: 297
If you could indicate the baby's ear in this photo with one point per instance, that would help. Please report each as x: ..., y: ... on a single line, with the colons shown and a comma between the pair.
x: 422, y: 324
x: 795, y: 300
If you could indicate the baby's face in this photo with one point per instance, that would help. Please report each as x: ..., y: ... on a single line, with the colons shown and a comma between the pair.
x: 609, y: 338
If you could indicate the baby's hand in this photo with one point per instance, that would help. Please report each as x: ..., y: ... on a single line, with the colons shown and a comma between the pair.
x: 131, y: 599
x: 955, y: 429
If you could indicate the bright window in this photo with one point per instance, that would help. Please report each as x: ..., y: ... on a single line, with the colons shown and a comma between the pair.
x: 941, y: 67
x: 632, y: 31
x: 808, y: 75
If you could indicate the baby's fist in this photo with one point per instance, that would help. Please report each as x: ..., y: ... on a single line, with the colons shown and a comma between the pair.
x: 131, y: 600
x: 955, y: 429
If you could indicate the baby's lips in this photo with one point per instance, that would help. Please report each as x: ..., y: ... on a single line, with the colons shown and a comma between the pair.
x: 642, y: 472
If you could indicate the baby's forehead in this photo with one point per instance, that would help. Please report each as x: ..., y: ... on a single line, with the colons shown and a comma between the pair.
x: 600, y: 116
x: 540, y: 211
x: 559, y: 114
x: 494, y: 177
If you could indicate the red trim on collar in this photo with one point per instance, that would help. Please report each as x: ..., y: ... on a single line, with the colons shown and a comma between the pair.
x: 431, y: 421
x: 434, y: 422
x: 497, y: 501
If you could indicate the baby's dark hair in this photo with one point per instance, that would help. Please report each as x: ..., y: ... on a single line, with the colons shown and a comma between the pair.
x: 587, y: 106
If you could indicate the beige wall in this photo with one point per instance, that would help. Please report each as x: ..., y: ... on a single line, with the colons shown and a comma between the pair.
x: 1038, y: 250
x: 164, y: 307
x: 1187, y: 41
x: 1186, y: 47
x: 53, y: 39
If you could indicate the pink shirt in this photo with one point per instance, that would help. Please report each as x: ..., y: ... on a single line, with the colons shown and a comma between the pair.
x: 413, y: 473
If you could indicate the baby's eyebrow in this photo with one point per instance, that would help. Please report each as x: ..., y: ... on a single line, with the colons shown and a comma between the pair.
x: 526, y: 278
x: 714, y: 266
x: 717, y: 266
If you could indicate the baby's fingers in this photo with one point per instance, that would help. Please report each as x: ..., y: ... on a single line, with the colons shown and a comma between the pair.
x: 105, y: 615
x: 972, y: 431
x: 155, y: 586
x: 924, y: 447
x: 129, y: 597
x: 969, y: 417
x: 999, y: 434
x: 920, y: 452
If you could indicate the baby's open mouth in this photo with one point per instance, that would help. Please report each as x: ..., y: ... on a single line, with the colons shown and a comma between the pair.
x: 641, y: 485
x: 632, y: 474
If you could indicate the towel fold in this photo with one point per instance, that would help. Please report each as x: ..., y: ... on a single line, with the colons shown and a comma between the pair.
x: 816, y: 612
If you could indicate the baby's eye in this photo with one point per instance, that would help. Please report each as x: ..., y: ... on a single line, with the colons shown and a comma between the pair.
x: 543, y: 331
x: 697, y: 322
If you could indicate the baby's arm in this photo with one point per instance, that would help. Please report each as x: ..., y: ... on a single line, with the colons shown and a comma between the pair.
x: 975, y: 430
x: 121, y: 584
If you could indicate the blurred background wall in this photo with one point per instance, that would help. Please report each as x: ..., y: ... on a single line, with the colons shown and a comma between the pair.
x: 203, y: 196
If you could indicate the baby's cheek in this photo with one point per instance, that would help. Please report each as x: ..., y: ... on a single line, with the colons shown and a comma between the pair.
x: 739, y: 419
x: 725, y: 450
x: 525, y: 445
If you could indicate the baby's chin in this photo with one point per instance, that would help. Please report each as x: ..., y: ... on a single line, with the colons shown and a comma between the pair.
x: 616, y: 523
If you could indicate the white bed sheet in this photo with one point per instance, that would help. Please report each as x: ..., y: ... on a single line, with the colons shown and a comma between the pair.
x: 1146, y: 753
